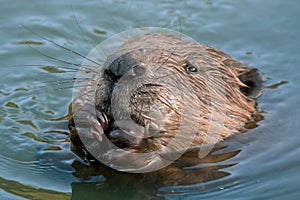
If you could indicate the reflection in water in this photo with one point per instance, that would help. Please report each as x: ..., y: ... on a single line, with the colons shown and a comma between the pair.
x: 21, y: 190
x: 188, y: 170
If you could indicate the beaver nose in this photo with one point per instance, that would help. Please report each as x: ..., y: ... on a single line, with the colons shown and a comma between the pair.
x: 124, y: 64
x: 115, y: 73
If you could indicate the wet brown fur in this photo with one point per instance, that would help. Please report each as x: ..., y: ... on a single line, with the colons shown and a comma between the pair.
x: 215, y: 90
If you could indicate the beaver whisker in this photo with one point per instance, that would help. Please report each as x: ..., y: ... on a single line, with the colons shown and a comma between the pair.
x: 60, y: 46
x: 42, y: 65
x: 168, y: 103
x: 172, y: 53
x: 60, y: 82
x: 71, y: 69
x: 41, y: 90
x: 165, y: 75
x: 59, y: 60
x: 84, y: 33
x: 64, y: 88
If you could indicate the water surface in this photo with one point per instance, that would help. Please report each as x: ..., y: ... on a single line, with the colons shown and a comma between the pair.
x: 35, y: 160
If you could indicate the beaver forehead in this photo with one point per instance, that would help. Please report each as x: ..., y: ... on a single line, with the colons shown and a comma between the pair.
x: 167, y: 49
x: 154, y: 41
x: 160, y: 58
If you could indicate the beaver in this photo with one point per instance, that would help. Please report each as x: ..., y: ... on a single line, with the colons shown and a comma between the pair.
x: 157, y: 97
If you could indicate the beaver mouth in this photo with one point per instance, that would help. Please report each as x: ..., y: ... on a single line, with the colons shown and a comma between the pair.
x: 141, y: 101
x: 129, y: 132
x: 151, y: 109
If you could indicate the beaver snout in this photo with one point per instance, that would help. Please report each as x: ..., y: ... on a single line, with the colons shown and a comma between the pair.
x: 124, y: 64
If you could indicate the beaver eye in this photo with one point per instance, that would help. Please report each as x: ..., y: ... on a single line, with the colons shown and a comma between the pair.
x: 191, y: 69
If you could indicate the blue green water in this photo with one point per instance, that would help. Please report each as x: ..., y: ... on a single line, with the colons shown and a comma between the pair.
x: 35, y: 160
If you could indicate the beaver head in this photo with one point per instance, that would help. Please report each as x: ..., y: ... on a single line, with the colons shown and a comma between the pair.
x: 159, y: 94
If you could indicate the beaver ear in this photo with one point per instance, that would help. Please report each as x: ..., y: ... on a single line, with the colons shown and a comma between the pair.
x: 253, y: 78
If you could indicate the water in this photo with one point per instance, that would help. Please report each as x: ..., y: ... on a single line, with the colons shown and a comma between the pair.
x: 35, y: 161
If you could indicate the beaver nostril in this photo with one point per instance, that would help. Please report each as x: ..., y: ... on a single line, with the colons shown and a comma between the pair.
x: 138, y: 70
x: 113, y: 76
